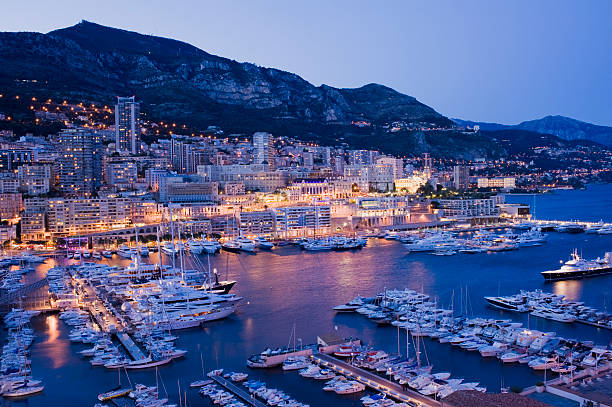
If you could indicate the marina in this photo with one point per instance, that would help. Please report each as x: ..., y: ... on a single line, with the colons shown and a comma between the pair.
x: 311, y: 311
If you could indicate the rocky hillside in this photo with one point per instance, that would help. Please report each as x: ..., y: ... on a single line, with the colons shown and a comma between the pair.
x: 176, y: 80
x: 560, y: 126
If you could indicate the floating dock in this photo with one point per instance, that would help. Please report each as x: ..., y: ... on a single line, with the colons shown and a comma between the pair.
x: 238, y: 391
x: 130, y: 346
x: 391, y: 389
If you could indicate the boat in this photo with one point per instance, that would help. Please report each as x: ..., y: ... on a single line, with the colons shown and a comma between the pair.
x: 201, y: 383
x: 577, y: 267
x: 24, y: 390
x: 263, y: 243
x: 510, y: 303
x: 231, y: 246
x: 108, y: 254
x: 245, y: 244
x: 113, y: 394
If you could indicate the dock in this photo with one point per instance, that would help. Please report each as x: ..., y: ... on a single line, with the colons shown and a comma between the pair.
x: 238, y: 391
x: 130, y: 346
x: 391, y: 389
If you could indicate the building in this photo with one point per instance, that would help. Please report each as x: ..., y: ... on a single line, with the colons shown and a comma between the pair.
x: 362, y: 157
x: 79, y: 216
x: 461, y: 177
x: 127, y: 125
x: 152, y: 177
x: 497, y: 182
x: 411, y: 184
x: 396, y: 163
x: 234, y: 188
x: 258, y: 223
x: 476, y: 211
x: 180, y: 189
x: 79, y: 165
x: 121, y: 175
x: 297, y: 221
x: 263, y: 146
x: 10, y: 206
x: 13, y: 158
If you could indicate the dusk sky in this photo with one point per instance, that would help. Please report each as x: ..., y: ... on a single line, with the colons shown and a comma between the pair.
x: 480, y: 60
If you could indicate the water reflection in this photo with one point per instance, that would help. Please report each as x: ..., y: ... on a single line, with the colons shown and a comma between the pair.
x: 57, y: 350
x: 572, y: 289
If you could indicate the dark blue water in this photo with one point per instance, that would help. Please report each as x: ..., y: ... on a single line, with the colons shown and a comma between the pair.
x: 592, y: 204
x: 289, y: 286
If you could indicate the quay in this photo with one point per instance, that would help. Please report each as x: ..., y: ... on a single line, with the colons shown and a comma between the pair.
x: 130, y: 346
x: 391, y: 389
x: 241, y: 393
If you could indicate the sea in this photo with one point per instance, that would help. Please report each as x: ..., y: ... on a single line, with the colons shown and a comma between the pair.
x: 289, y: 290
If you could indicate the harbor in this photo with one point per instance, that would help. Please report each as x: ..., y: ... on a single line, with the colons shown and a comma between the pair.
x: 338, y: 276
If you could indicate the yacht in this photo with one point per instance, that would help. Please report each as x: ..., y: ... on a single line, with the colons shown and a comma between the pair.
x: 194, y: 246
x: 577, y: 267
x: 126, y: 252
x: 553, y: 314
x: 510, y: 303
x: 210, y: 247
x: 245, y: 244
x: 263, y: 243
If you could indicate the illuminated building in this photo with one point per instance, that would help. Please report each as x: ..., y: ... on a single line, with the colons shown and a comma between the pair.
x: 127, y: 125
x: 79, y: 165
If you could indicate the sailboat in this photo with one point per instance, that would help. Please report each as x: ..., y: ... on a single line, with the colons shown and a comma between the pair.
x: 203, y: 382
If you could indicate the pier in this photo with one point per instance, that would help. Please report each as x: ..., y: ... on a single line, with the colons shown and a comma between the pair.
x: 130, y: 346
x: 391, y: 389
x: 238, y: 391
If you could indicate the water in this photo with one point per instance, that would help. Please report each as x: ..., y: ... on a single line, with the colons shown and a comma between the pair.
x: 288, y: 286
x: 590, y: 205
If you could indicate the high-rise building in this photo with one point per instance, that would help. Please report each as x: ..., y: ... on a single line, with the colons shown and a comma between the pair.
x: 79, y: 165
x: 264, y: 149
x: 127, y: 125
x: 461, y: 176
x: 427, y: 165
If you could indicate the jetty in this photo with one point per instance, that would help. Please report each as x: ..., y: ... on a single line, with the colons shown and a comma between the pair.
x: 245, y: 396
x: 130, y: 346
x: 391, y: 389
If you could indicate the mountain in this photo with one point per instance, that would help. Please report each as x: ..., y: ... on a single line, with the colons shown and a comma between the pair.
x: 179, y: 82
x: 563, y: 127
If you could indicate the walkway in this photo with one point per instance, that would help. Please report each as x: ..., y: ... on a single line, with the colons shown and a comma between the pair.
x: 391, y: 389
x: 130, y: 346
x: 238, y: 391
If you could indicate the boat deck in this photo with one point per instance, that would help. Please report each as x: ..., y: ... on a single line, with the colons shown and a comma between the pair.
x: 238, y: 391
x: 391, y: 389
x: 130, y: 346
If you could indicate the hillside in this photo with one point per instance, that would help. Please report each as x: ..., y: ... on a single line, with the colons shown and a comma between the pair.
x: 563, y: 127
x: 174, y: 80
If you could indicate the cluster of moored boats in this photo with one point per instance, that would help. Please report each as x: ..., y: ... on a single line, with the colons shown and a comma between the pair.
x: 16, y: 373
x: 142, y: 395
x: 336, y: 383
x: 600, y: 227
x: 504, y: 339
x: 332, y: 243
x: 13, y: 267
x: 551, y: 306
x: 256, y: 389
x: 446, y: 243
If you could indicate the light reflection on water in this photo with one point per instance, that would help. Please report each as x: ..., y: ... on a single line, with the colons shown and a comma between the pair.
x: 572, y: 289
x: 58, y: 350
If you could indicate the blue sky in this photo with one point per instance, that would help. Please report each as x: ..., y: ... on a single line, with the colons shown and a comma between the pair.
x: 503, y: 61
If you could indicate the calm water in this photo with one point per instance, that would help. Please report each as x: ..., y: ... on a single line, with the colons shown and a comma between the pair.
x: 289, y: 286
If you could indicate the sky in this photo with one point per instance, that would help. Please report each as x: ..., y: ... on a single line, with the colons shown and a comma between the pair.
x: 496, y: 61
